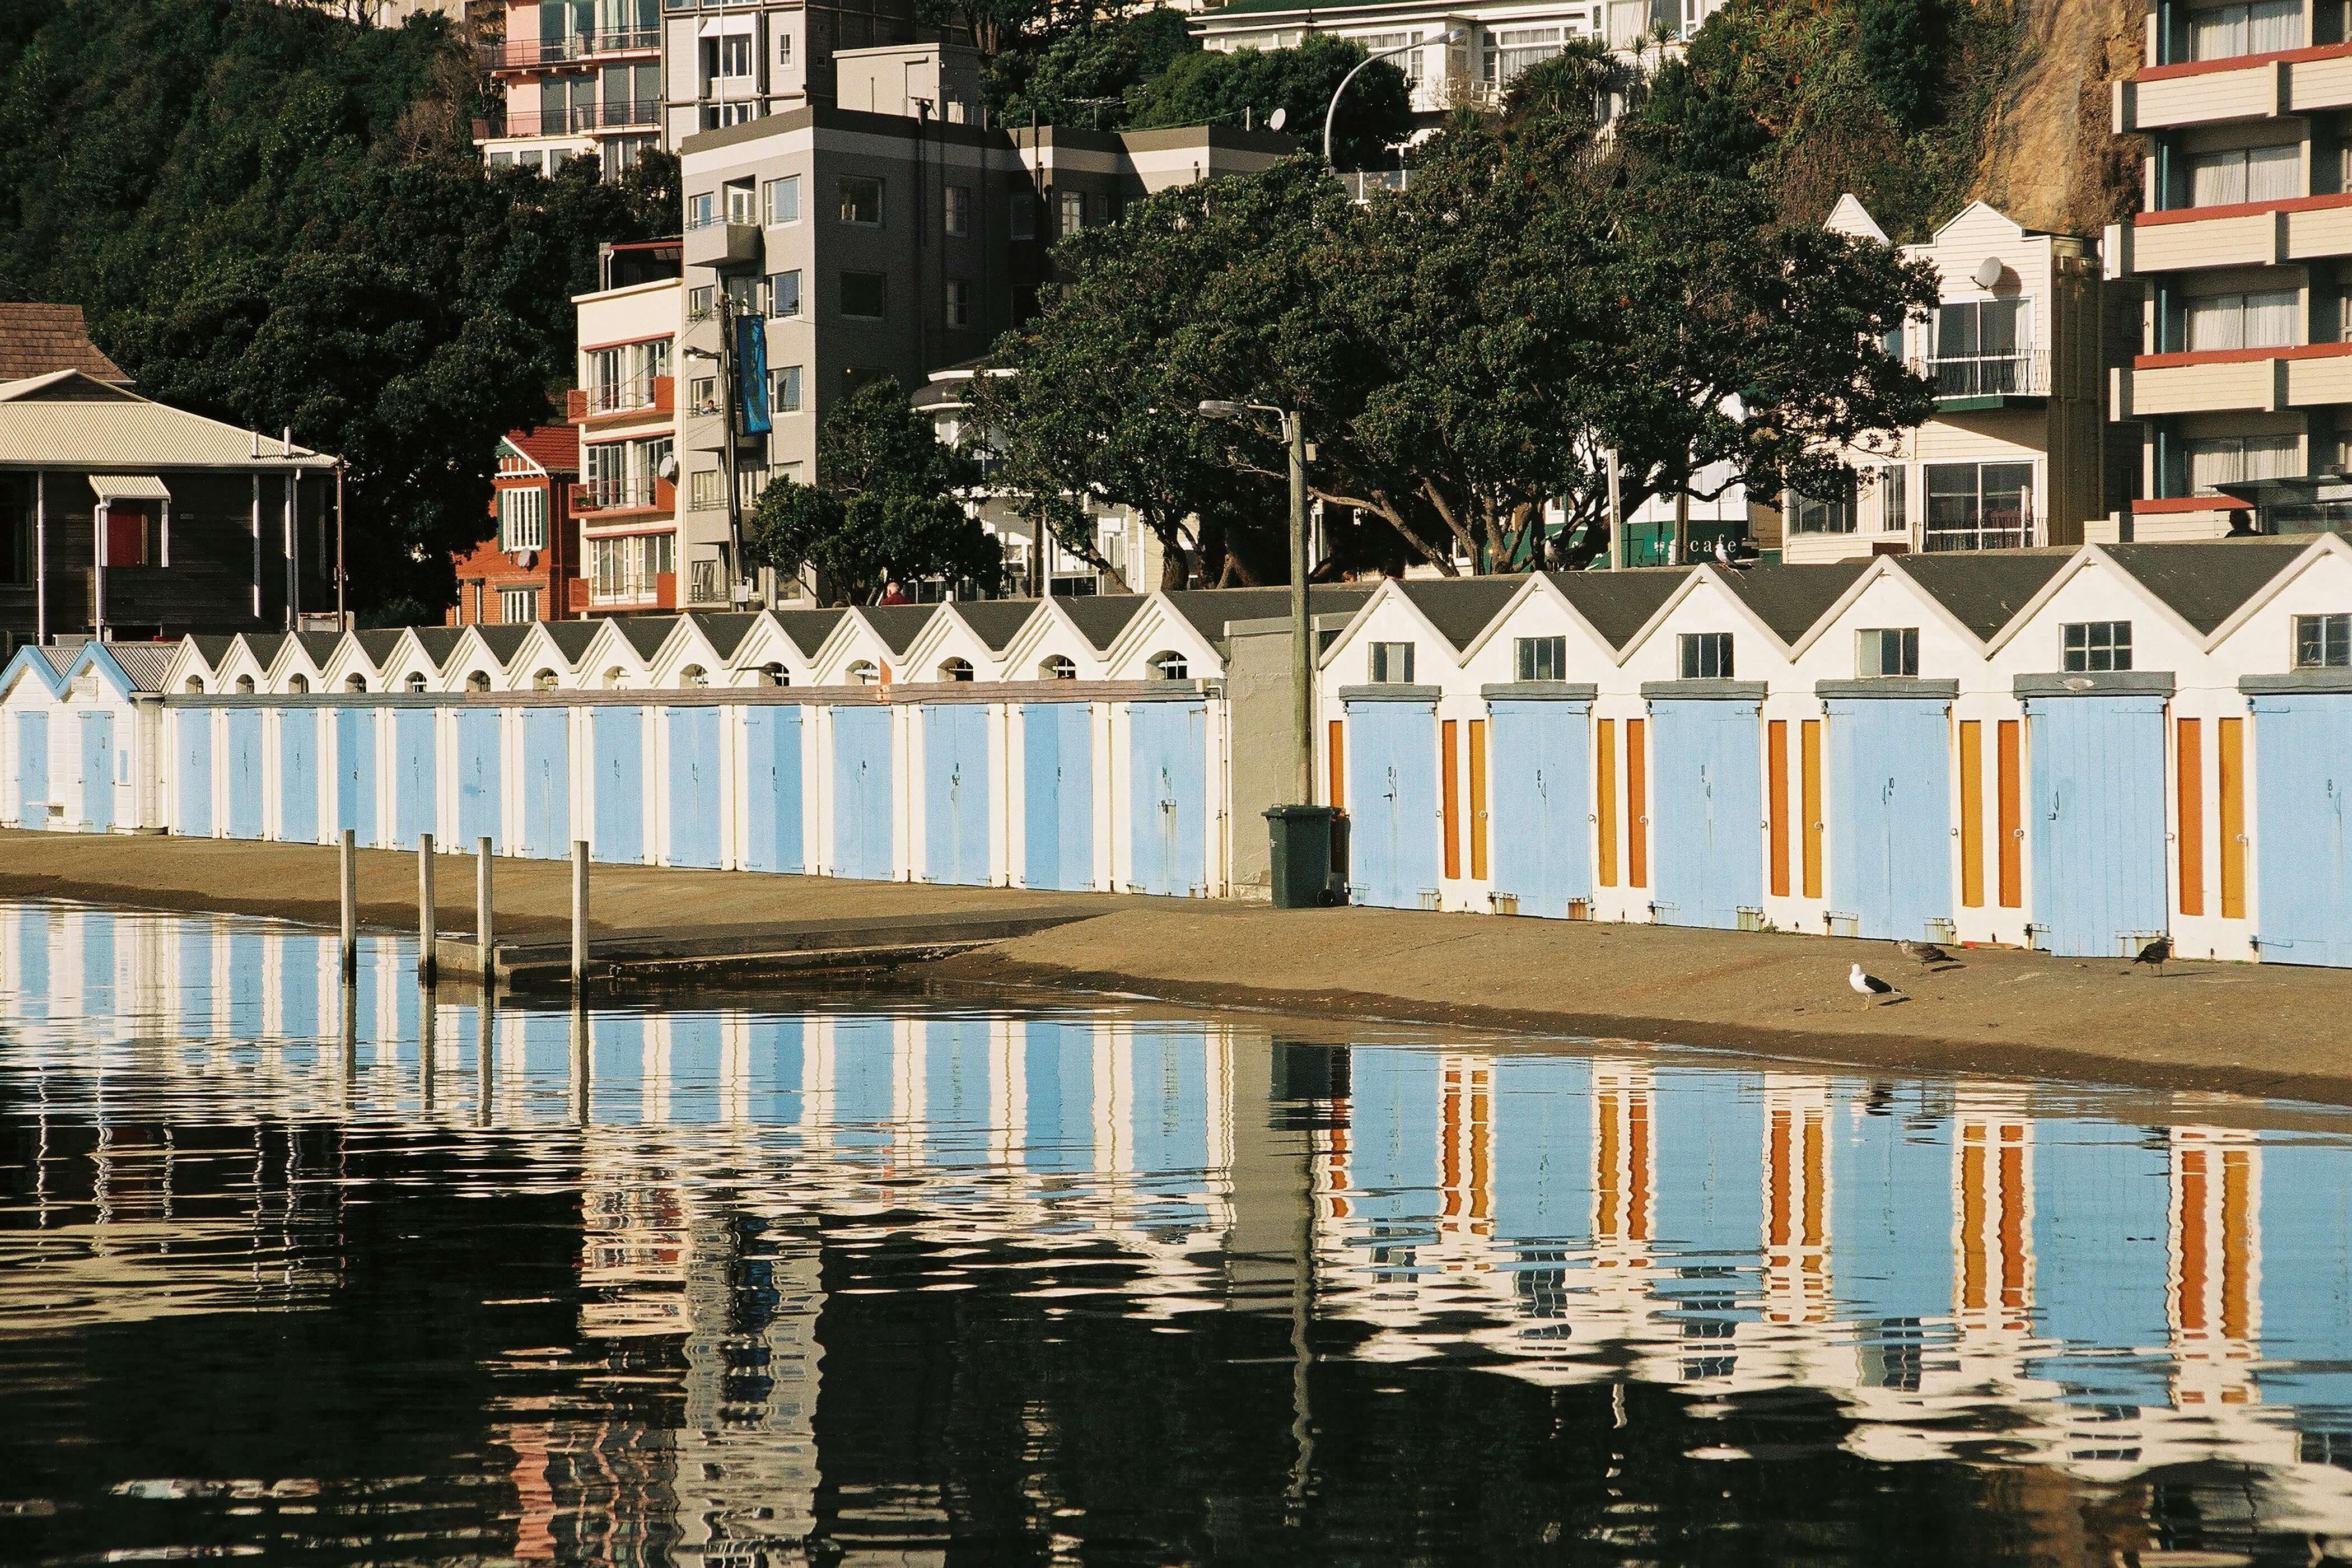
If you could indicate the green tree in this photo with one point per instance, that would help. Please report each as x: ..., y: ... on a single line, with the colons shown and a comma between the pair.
x: 1224, y: 89
x: 886, y: 504
x: 1090, y: 75
x: 1899, y: 44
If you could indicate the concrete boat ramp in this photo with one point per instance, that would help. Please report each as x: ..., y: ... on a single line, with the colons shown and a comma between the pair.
x: 728, y: 954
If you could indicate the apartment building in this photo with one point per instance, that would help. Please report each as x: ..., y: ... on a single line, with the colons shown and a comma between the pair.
x: 729, y: 61
x: 524, y: 568
x: 2238, y: 397
x: 2013, y: 457
x: 1499, y: 40
x: 625, y: 411
x: 580, y: 77
x: 883, y: 241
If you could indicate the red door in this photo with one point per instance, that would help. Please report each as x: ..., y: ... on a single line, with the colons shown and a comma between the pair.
x: 126, y: 536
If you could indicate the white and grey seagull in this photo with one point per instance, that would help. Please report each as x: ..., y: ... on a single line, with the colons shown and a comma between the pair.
x: 1871, y: 985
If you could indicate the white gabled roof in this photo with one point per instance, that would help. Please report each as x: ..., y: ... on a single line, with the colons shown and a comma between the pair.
x: 1851, y: 218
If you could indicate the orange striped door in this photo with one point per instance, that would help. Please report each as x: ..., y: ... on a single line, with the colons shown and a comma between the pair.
x: 2188, y: 776
x: 1449, y: 794
x: 1338, y: 768
x: 1972, y: 813
x: 1478, y: 799
x: 1604, y: 794
x: 2234, y: 818
x: 1809, y: 788
x: 1637, y: 803
x: 1776, y: 763
x: 2011, y: 822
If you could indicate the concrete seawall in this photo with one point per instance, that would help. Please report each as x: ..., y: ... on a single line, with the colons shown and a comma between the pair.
x: 2229, y: 1028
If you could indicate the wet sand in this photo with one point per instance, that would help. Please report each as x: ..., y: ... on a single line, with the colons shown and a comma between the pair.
x: 2270, y: 1030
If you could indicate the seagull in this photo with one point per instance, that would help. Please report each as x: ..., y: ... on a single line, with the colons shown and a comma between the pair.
x: 1871, y: 986
x: 2155, y: 953
x: 1927, y: 952
x: 1723, y: 554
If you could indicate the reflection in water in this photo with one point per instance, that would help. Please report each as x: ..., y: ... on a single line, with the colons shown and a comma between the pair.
x: 362, y: 1275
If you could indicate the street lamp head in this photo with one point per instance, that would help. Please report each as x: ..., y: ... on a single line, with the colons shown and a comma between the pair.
x: 1456, y: 35
x: 1219, y: 408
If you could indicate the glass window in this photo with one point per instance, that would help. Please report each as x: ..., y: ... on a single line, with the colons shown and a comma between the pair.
x: 1391, y: 664
x: 784, y: 293
x: 864, y: 295
x: 522, y: 519
x: 1170, y: 665
x: 956, y: 216
x: 1707, y: 656
x: 517, y: 605
x: 1073, y: 206
x: 1895, y: 489
x: 743, y: 291
x: 783, y: 200
x: 1024, y: 216
x: 1983, y: 348
x: 705, y: 490
x: 702, y: 209
x: 785, y: 395
x: 958, y: 302
x: 1889, y: 650
x: 698, y: 302
x: 702, y: 394
x: 2246, y: 175
x: 1830, y: 515
x: 1979, y: 506
x: 2322, y: 642
x: 2264, y: 28
x: 1543, y: 659
x: 2095, y: 646
x: 2258, y: 320
x: 861, y: 200
x: 2217, y: 462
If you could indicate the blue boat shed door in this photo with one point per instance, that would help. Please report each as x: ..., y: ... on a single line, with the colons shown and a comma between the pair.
x: 1890, y: 821
x: 2303, y: 866
x: 1057, y: 841
x: 955, y: 793
x: 547, y: 783
x: 694, y: 787
x: 1393, y: 809
x: 416, y: 768
x: 1168, y: 846
x: 355, y: 774
x: 245, y: 802
x: 98, y: 773
x: 771, y: 797
x: 861, y: 792
x: 297, y: 775
x: 478, y: 778
x: 1542, y: 783
x: 33, y: 770
x: 195, y: 762
x: 618, y: 734
x: 2097, y: 820
x: 1707, y: 786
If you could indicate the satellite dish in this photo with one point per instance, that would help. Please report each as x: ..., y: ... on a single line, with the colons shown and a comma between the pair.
x: 1989, y: 272
x: 526, y: 559
x: 668, y: 469
x: 1278, y: 120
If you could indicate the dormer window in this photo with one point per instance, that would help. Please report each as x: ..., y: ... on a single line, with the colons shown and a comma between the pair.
x: 417, y: 683
x: 1390, y: 664
x: 544, y: 680
x: 957, y: 669
x: 694, y: 675
x: 1170, y: 665
x: 1707, y: 656
x: 1887, y: 651
x: 196, y: 685
x: 298, y: 683
x: 477, y: 682
x: 355, y: 683
x: 244, y: 683
x: 774, y: 674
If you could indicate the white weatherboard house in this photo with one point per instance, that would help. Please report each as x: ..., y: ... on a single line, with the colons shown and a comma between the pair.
x: 2078, y: 750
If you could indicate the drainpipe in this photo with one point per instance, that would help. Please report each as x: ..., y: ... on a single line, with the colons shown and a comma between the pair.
x: 40, y: 557
x: 257, y: 530
x: 98, y: 568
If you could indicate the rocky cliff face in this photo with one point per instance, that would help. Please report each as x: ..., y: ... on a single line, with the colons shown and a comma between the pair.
x: 2050, y: 159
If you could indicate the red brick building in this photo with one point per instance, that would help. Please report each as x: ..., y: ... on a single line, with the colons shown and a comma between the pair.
x: 527, y: 567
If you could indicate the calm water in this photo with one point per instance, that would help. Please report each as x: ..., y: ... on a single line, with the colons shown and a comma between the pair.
x: 897, y: 1280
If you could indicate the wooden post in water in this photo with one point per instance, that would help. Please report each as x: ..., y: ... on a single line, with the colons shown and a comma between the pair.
x: 350, y: 900
x: 425, y: 906
x: 579, y: 916
x: 482, y: 931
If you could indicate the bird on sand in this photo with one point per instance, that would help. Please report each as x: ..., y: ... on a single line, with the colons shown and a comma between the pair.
x: 1871, y: 985
x: 2155, y: 953
x: 1925, y: 953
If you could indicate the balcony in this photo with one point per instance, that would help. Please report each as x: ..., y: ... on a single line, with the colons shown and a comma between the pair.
x: 579, y: 119
x: 1360, y: 186
x: 534, y: 54
x: 595, y: 497
x: 1977, y: 382
x: 2268, y: 379
x: 2252, y: 234
x: 2246, y: 87
x: 639, y: 395
x: 716, y: 242
x: 1995, y: 528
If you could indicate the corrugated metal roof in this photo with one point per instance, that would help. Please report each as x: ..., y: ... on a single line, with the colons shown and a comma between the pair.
x: 61, y: 659
x: 645, y: 633
x: 1790, y: 599
x: 143, y: 662
x: 1984, y: 590
x: 71, y: 421
x: 2205, y: 584
x: 1460, y: 607
x: 997, y: 621
x: 808, y: 628
x: 898, y: 625
x: 1102, y: 616
x: 1619, y: 604
x: 130, y: 487
x: 1212, y: 609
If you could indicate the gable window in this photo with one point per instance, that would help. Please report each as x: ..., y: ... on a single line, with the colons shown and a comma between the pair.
x: 1889, y: 650
x: 955, y: 669
x: 861, y: 200
x: 1543, y: 659
x: 355, y: 683
x: 1170, y: 665
x: 772, y: 674
x: 298, y: 683
x: 416, y: 682
x: 864, y: 295
x: 1061, y: 666
x: 1390, y: 664
x: 543, y: 679
x: 2322, y: 642
x: 783, y: 200
x: 522, y: 519
x: 478, y: 681
x: 863, y: 672
x: 784, y: 293
x: 2093, y: 647
x: 1707, y: 656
